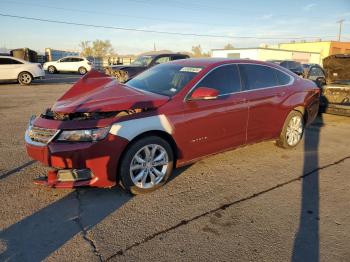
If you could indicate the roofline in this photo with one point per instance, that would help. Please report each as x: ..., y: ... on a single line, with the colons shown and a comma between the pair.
x: 312, y: 42
x: 265, y: 48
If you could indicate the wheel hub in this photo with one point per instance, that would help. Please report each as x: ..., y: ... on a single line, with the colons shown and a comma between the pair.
x: 149, y: 166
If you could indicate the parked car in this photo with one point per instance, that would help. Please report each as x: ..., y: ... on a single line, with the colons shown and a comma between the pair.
x: 315, y: 73
x: 140, y: 64
x: 101, y: 132
x: 335, y: 84
x: 69, y: 64
x: 24, y: 72
x: 293, y: 66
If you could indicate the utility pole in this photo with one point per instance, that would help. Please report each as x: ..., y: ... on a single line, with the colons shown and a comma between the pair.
x: 341, y: 21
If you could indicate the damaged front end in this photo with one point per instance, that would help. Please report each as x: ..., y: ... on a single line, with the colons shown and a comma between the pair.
x: 73, y: 137
x: 52, y: 115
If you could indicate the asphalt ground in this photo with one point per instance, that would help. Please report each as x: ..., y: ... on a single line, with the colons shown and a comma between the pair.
x: 255, y: 203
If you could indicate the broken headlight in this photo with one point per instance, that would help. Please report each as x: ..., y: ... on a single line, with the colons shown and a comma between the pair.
x: 88, y: 135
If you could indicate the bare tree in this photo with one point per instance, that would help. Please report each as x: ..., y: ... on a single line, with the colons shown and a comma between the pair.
x: 98, y: 48
x: 229, y: 46
x: 197, y: 51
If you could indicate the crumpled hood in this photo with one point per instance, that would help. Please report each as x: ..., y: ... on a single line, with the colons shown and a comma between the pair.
x: 337, y: 68
x: 97, y: 92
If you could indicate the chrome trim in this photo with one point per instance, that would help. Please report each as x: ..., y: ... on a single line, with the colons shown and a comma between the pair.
x: 292, y: 80
x: 27, y: 138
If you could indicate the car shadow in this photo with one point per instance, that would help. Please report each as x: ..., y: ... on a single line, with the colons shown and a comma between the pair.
x: 307, y: 241
x: 17, y: 169
x: 35, y: 237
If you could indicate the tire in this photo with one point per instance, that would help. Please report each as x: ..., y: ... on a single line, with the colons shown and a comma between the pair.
x: 82, y: 70
x: 139, y: 174
x: 293, y: 130
x: 25, y: 78
x: 52, y: 69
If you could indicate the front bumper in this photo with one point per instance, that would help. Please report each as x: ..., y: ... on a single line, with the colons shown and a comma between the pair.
x: 99, y: 158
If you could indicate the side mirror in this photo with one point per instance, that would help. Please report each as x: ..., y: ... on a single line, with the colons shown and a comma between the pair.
x: 204, y: 93
x: 320, y: 81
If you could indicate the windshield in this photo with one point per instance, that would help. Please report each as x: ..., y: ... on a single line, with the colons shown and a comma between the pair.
x: 165, y: 79
x: 144, y: 60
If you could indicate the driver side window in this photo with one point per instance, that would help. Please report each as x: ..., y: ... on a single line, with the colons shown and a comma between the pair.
x: 225, y: 79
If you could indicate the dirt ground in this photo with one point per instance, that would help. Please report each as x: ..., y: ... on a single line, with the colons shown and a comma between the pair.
x: 256, y: 203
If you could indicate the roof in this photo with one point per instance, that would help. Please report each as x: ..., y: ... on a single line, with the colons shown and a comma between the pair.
x: 205, y: 62
x: 315, y: 42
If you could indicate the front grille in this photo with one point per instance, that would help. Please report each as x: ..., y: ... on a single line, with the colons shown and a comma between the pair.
x: 41, y: 135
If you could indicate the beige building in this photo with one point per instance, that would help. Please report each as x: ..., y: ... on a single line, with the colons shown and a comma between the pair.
x: 325, y: 48
x: 266, y: 54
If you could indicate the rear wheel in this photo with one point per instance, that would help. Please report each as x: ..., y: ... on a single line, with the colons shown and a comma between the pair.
x: 292, y: 131
x: 82, y: 70
x: 146, y: 165
x: 51, y: 69
x: 25, y: 78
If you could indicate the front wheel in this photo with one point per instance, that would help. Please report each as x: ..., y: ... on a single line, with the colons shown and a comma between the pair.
x: 25, y: 78
x: 146, y: 165
x: 292, y: 131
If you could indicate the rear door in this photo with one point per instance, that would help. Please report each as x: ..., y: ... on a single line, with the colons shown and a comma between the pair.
x: 218, y: 124
x: 266, y: 89
x: 9, y: 68
x: 64, y: 64
x: 75, y: 63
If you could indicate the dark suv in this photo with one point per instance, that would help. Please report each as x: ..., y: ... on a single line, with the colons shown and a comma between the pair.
x: 293, y: 66
x: 140, y: 64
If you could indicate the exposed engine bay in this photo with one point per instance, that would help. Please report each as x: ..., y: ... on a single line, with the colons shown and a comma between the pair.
x: 49, y: 114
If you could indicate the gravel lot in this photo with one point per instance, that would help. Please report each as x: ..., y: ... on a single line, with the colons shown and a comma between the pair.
x: 256, y: 203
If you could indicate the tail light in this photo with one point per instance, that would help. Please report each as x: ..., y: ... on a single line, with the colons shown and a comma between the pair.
x: 40, y: 66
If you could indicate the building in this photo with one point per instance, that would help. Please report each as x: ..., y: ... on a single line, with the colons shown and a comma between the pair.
x: 54, y: 55
x: 25, y: 54
x: 325, y: 48
x: 266, y: 54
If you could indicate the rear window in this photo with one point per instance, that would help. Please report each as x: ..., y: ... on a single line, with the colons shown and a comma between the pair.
x: 282, y: 78
x: 258, y: 76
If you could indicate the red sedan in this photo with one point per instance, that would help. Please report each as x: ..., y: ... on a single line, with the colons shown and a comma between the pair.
x: 101, y: 133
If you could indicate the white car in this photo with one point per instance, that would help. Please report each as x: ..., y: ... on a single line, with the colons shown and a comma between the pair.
x: 24, y: 72
x: 69, y: 64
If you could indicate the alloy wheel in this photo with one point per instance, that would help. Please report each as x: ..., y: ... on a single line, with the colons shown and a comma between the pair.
x: 294, y: 130
x: 25, y: 78
x: 149, y: 166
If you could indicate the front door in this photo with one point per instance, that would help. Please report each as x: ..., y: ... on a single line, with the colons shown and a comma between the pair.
x: 215, y: 125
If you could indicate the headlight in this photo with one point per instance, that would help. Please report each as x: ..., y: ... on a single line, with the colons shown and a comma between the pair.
x: 89, y: 135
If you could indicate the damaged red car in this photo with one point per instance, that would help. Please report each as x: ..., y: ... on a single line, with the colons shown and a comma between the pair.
x: 101, y: 133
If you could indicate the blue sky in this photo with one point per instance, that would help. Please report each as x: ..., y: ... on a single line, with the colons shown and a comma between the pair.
x: 265, y: 18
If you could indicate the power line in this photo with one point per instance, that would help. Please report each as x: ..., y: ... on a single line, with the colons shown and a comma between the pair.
x: 222, y: 10
x: 155, y: 31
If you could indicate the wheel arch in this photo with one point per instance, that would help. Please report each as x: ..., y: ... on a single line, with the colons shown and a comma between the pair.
x: 25, y: 71
x: 159, y: 133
